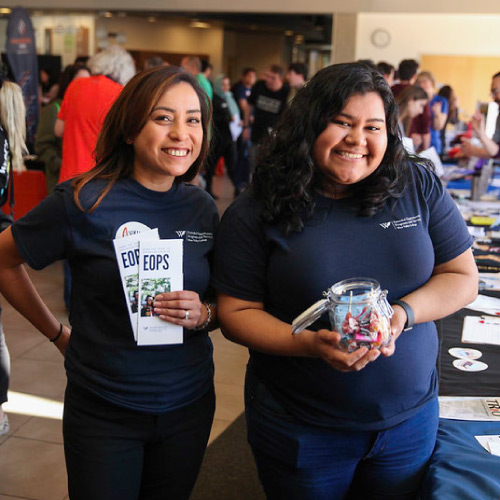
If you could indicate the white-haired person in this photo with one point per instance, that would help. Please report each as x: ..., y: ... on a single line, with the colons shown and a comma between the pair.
x: 12, y: 150
x: 85, y: 105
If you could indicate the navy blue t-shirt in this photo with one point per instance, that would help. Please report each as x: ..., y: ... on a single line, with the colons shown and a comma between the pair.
x: 102, y: 355
x: 399, y: 247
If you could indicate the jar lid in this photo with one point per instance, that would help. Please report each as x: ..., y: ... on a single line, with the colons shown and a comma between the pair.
x: 310, y: 315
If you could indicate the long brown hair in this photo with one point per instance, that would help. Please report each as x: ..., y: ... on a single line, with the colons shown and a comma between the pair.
x: 125, y: 120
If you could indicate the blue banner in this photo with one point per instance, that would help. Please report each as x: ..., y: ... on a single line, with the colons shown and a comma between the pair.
x: 23, y: 62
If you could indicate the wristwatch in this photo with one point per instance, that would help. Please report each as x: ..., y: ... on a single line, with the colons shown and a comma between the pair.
x: 410, y: 315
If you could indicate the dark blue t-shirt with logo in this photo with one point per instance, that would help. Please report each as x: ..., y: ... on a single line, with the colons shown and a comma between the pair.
x: 102, y: 355
x: 399, y: 247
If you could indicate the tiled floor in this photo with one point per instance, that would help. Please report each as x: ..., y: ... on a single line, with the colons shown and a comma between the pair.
x: 31, y: 455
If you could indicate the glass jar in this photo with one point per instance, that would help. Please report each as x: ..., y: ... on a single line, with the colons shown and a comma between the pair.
x: 358, y: 310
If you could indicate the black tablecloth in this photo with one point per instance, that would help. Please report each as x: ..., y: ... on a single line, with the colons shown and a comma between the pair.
x: 454, y: 382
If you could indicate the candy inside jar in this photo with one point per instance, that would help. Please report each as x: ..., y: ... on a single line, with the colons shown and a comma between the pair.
x: 358, y: 310
x: 360, y: 313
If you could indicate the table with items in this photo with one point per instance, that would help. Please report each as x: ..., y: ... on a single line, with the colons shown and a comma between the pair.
x: 466, y: 461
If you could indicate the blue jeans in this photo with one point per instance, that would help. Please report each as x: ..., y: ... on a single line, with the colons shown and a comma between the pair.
x: 114, y: 453
x: 296, y: 461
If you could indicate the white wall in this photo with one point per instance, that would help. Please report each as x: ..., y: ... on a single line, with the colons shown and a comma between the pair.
x: 168, y: 36
x: 415, y: 34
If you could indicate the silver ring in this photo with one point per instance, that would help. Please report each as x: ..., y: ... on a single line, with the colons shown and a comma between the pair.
x: 186, y: 315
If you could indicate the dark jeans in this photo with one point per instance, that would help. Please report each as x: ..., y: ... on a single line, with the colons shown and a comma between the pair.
x: 114, y: 453
x: 4, y: 367
x: 242, y: 169
x: 221, y: 148
x: 297, y: 461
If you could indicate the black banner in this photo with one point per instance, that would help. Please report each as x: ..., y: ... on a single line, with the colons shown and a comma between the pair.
x: 22, y: 57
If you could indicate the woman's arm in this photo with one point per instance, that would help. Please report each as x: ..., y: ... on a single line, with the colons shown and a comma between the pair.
x: 19, y: 291
x: 247, y: 323
x: 452, y: 286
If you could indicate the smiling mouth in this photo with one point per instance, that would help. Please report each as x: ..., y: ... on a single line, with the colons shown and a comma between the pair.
x: 351, y: 156
x: 176, y: 152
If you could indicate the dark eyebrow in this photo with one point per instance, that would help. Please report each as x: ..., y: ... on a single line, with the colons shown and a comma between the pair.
x: 379, y: 120
x: 173, y: 110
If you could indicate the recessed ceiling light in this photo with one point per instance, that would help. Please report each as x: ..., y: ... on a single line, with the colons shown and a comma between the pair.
x: 199, y: 24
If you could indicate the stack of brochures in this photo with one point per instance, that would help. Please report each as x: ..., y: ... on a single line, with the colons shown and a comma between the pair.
x: 150, y: 266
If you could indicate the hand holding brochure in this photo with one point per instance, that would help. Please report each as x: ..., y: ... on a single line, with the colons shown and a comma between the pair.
x: 160, y: 271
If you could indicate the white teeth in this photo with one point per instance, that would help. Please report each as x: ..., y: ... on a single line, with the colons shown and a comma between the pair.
x: 177, y: 152
x: 350, y: 155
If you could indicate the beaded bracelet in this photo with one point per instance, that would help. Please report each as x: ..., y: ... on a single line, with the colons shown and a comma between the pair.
x: 209, y: 318
x: 54, y: 339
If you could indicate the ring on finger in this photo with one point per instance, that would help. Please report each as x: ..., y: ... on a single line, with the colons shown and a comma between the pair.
x: 186, y: 315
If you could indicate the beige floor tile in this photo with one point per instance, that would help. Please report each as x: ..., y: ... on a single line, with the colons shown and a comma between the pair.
x: 20, y: 339
x: 16, y: 420
x: 230, y: 401
x: 218, y: 427
x: 41, y: 429
x: 43, y: 351
x: 5, y: 497
x: 43, y: 378
x: 32, y: 469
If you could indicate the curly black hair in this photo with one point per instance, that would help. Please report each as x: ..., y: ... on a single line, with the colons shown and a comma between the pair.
x: 286, y: 179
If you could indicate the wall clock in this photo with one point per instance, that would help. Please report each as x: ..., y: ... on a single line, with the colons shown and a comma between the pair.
x: 380, y: 38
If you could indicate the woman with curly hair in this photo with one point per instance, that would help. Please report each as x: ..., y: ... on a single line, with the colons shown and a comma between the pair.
x: 336, y: 196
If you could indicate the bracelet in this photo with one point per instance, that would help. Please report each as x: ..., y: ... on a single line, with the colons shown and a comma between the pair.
x: 209, y: 318
x: 410, y: 315
x: 54, y: 339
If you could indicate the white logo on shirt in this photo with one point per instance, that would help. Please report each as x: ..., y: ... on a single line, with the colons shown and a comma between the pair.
x: 195, y: 236
x: 405, y: 223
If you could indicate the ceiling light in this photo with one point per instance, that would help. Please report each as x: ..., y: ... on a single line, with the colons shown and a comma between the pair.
x: 288, y: 33
x: 199, y: 24
x: 108, y: 14
x: 5, y: 10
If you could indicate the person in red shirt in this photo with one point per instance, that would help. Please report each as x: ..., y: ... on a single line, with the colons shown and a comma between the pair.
x: 85, y: 106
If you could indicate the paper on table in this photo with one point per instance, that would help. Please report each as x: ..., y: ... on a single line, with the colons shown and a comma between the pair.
x: 489, y: 305
x: 490, y: 281
x: 127, y: 257
x: 432, y: 155
x: 160, y: 270
x: 481, y: 330
x: 469, y: 408
x: 490, y: 443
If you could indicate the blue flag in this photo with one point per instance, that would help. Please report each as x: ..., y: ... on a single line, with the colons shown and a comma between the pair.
x: 22, y: 57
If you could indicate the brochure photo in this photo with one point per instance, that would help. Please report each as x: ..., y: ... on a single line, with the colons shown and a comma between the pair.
x: 160, y: 271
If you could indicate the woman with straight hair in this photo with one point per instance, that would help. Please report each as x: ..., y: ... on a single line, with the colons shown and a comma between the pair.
x: 335, y: 196
x: 411, y: 102
x: 136, y: 418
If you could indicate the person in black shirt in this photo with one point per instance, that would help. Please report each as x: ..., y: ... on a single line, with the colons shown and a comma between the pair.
x: 267, y: 101
x: 136, y: 418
